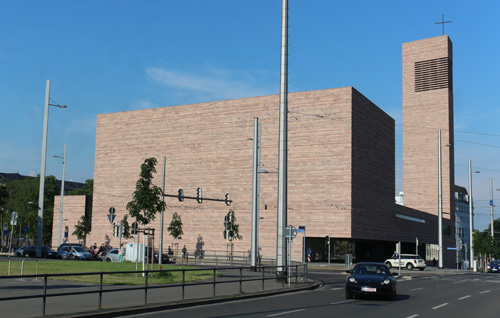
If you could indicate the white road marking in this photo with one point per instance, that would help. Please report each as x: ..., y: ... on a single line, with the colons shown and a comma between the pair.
x: 412, y: 316
x: 341, y: 302
x: 484, y: 292
x: 286, y: 312
x: 337, y: 288
x: 464, y: 297
x: 414, y: 289
x: 439, y: 306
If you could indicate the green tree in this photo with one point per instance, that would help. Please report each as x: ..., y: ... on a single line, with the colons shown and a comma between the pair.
x: 175, y: 227
x: 125, y: 227
x: 233, y: 227
x: 88, y: 189
x: 23, y: 198
x: 147, y: 196
x: 82, y: 228
x: 484, y: 245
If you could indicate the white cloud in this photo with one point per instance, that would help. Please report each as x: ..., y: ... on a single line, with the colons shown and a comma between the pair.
x: 221, y: 84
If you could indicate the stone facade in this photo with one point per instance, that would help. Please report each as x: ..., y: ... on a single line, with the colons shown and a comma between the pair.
x: 341, y: 166
x: 427, y: 108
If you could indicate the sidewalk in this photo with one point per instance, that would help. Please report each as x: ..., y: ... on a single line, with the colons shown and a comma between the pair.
x: 122, y: 303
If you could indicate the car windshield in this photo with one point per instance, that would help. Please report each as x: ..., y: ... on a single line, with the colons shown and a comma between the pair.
x: 371, y: 269
x: 495, y: 263
x: 79, y: 249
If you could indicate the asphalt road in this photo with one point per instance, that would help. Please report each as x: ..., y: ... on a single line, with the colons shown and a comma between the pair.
x: 426, y: 294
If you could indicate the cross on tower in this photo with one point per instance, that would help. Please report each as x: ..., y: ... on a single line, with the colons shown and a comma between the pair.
x: 443, y: 22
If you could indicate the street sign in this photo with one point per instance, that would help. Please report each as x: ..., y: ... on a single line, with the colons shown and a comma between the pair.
x: 26, y: 229
x: 452, y: 248
x: 111, y: 215
x: 491, y: 202
x: 13, y: 218
x: 302, y: 229
x: 291, y: 231
x: 309, y: 251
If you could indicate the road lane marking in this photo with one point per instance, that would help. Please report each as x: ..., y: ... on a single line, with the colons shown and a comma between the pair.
x: 342, y: 302
x: 484, y: 292
x: 286, y: 312
x: 412, y: 316
x: 337, y: 288
x: 464, y: 297
x: 439, y: 306
x: 414, y: 289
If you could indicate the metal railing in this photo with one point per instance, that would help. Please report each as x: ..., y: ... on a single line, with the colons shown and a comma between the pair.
x: 293, y: 274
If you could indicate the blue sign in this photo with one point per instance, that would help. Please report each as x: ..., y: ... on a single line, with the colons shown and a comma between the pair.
x: 309, y: 251
x: 299, y: 230
x: 5, y: 232
x: 26, y: 229
x: 491, y: 202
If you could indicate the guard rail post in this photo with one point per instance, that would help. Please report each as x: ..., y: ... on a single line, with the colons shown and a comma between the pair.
x: 100, y: 290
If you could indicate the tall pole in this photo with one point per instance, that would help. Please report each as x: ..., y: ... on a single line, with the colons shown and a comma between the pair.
x: 255, y: 194
x: 160, y: 254
x: 491, y: 207
x: 471, y: 218
x: 440, y: 204
x: 62, y: 197
x: 39, y: 228
x: 283, y: 149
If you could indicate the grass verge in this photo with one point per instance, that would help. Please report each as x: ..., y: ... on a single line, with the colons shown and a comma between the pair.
x: 67, y: 266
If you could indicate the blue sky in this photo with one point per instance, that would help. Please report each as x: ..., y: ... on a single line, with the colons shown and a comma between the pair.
x: 111, y: 56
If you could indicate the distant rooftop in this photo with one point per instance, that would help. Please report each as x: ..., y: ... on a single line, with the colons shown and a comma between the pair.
x: 68, y: 185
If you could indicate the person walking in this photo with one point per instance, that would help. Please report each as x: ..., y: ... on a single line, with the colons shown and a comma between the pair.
x: 120, y: 253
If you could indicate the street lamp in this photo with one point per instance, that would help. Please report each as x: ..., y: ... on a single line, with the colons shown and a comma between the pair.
x: 254, y: 249
x: 39, y: 228
x: 471, y: 217
x: 440, y: 202
x: 62, y: 195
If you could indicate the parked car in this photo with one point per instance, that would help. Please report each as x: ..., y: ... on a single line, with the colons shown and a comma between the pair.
x: 409, y: 261
x: 76, y: 253
x: 26, y: 251
x: 113, y: 255
x: 493, y: 267
x: 30, y: 251
x: 370, y: 279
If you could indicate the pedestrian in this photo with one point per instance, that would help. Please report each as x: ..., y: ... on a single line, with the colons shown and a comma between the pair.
x: 170, y: 252
x: 395, y: 255
x: 434, y: 261
x: 101, y: 250
x: 184, y: 252
x: 121, y: 253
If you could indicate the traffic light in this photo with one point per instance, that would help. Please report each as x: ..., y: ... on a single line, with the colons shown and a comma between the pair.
x: 199, y: 197
x: 134, y: 228
x: 115, y: 229
x: 181, y: 195
x: 228, y: 199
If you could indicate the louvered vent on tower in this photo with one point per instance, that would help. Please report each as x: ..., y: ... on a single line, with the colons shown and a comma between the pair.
x: 433, y: 74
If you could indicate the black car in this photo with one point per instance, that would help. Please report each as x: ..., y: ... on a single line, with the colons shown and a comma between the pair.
x: 493, y: 267
x: 370, y: 279
x: 30, y: 251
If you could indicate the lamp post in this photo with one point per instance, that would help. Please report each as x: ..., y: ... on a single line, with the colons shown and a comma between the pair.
x: 62, y: 196
x: 491, y: 207
x: 471, y: 217
x: 39, y: 228
x: 254, y: 250
x: 440, y: 201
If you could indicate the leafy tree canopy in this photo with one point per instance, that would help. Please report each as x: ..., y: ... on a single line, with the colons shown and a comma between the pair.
x: 147, y: 196
x: 175, y: 227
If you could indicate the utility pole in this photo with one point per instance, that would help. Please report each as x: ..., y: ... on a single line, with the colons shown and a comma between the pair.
x: 281, y: 260
x: 440, y: 205
x: 491, y: 207
x: 471, y: 218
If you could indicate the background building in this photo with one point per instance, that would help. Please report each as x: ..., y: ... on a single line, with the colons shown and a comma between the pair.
x: 341, y: 168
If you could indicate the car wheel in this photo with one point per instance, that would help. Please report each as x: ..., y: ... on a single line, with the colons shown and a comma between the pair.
x: 348, y: 295
x: 388, y: 264
x: 76, y: 258
x: 392, y: 296
x: 108, y: 259
x: 409, y: 266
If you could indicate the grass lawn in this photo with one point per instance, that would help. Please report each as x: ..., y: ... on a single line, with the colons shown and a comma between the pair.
x: 67, y: 266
